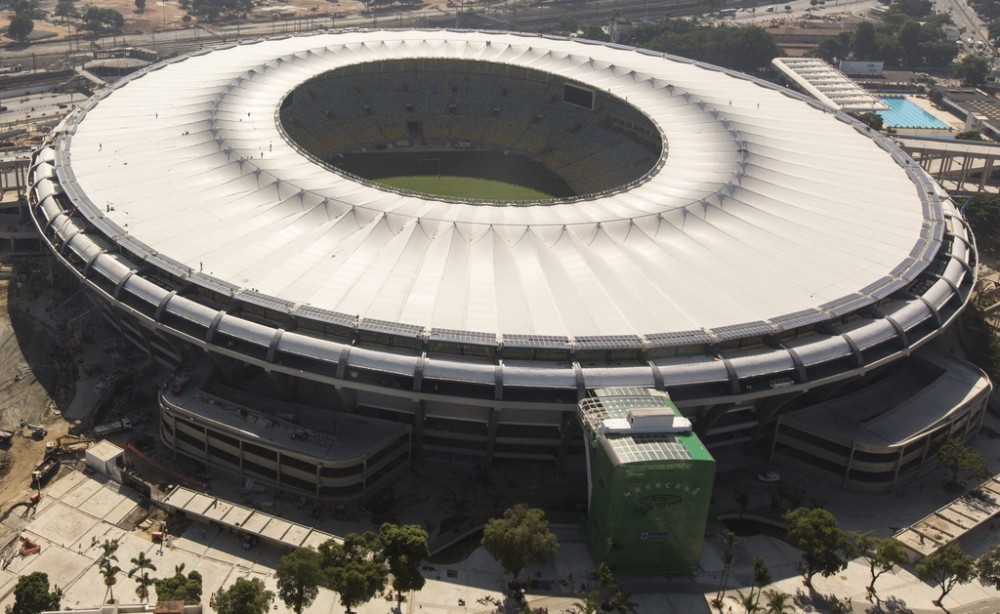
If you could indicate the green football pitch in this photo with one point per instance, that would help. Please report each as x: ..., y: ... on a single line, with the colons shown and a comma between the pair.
x: 464, y: 187
x: 485, y: 176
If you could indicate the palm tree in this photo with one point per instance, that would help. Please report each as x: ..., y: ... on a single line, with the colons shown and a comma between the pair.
x: 590, y: 603
x: 729, y: 541
x: 761, y: 577
x: 777, y: 602
x: 747, y: 601
x: 106, y: 564
x: 141, y: 566
x: 743, y: 501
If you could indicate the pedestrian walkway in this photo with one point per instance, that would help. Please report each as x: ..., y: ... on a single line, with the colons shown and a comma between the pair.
x: 952, y: 521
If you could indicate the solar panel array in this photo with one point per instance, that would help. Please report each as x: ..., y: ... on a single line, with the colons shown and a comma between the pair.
x: 615, y: 403
x: 646, y: 448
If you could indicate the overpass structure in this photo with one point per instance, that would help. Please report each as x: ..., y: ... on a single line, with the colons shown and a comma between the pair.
x: 958, y: 165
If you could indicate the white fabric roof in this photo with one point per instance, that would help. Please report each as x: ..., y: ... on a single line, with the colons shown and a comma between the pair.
x: 765, y: 205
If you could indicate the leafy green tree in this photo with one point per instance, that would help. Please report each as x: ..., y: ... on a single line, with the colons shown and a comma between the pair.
x: 958, y: 458
x: 66, y: 8
x: 825, y: 546
x: 106, y: 565
x: 748, y: 49
x: 243, y: 597
x: 141, y: 566
x: 180, y: 587
x: 865, y: 45
x: 568, y: 23
x: 909, y: 39
x: 30, y: 8
x: 833, y: 48
x: 21, y: 27
x: 983, y: 214
x: 916, y: 9
x: 355, y: 569
x: 973, y: 69
x: 519, y: 538
x: 140, y: 5
x: 595, y: 33
x: 969, y: 135
x: 881, y: 554
x: 947, y: 568
x: 994, y: 30
x: 872, y: 120
x: 211, y: 10
x: 405, y: 548
x: 31, y: 594
x: 299, y: 574
x: 100, y: 20
x: 988, y: 567
x: 889, y: 49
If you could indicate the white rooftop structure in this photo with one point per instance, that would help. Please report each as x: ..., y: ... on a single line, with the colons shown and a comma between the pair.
x: 830, y: 86
x: 764, y: 206
x: 105, y: 457
x: 773, y: 245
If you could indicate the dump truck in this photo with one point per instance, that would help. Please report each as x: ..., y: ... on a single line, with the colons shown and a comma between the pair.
x: 103, y: 430
x: 44, y: 472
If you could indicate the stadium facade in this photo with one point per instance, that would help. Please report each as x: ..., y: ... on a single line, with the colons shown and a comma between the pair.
x: 732, y: 243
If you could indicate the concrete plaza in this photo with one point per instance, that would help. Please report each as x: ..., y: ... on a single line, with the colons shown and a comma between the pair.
x: 78, y: 512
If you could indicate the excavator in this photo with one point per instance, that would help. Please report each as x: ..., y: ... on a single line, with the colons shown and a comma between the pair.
x: 67, y: 444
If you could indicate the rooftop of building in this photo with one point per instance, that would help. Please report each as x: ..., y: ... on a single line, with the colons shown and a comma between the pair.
x: 916, y: 397
x: 607, y: 405
x: 339, y: 437
x: 975, y: 101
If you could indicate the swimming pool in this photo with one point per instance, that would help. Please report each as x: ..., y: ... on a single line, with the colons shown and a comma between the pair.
x: 903, y: 113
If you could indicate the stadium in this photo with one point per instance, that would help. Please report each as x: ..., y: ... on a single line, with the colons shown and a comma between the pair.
x: 730, y: 242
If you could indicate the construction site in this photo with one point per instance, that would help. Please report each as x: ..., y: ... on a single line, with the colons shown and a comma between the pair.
x: 66, y: 384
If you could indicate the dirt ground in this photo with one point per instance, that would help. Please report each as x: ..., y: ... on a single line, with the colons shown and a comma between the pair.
x: 167, y: 15
x: 35, y: 383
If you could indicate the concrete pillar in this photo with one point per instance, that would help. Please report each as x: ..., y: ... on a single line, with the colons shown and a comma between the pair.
x: 418, y: 427
x: 567, y: 425
x: 491, y: 435
x: 987, y: 171
x: 964, y: 174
